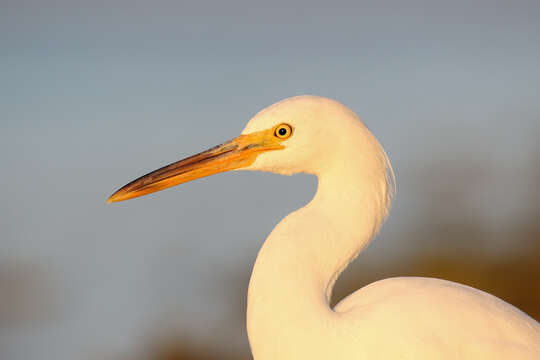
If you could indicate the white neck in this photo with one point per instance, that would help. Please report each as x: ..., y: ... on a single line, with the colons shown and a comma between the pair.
x: 295, y: 271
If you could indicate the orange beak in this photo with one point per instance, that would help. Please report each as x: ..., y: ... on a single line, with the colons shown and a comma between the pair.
x: 235, y: 154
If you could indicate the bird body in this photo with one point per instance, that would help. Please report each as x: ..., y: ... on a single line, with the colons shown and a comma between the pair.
x: 289, y: 314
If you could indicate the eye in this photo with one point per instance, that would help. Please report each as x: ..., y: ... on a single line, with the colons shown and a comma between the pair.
x: 283, y: 131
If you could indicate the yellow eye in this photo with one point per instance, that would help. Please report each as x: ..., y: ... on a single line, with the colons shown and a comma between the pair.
x: 283, y: 131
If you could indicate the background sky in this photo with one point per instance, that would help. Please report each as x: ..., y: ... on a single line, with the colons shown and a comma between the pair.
x: 95, y: 94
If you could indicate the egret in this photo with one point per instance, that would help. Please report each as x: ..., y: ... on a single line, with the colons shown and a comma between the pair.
x: 289, y: 314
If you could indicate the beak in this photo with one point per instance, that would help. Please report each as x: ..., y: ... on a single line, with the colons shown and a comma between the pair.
x: 237, y: 153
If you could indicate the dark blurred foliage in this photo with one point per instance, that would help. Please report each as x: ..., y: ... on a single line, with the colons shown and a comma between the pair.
x: 514, y: 278
x: 29, y: 295
x: 182, y: 350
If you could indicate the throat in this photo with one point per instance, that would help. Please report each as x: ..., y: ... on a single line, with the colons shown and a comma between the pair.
x: 295, y: 271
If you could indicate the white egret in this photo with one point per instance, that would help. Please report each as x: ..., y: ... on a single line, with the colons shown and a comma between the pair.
x: 288, y: 315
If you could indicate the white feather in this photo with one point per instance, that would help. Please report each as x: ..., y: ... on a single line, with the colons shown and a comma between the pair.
x: 289, y: 316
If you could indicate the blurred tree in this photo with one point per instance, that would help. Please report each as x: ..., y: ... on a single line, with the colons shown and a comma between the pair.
x: 29, y: 294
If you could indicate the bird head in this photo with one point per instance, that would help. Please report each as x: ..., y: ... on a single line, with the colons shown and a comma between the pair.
x: 299, y: 134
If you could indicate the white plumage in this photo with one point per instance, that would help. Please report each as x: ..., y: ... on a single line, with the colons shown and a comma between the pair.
x: 288, y: 315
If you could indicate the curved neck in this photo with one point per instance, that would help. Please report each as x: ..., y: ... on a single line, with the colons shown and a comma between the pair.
x: 297, y: 266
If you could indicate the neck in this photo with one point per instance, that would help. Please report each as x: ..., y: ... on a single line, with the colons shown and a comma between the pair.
x: 295, y: 271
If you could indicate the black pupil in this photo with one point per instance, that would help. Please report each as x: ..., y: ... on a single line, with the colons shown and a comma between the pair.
x: 282, y: 131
